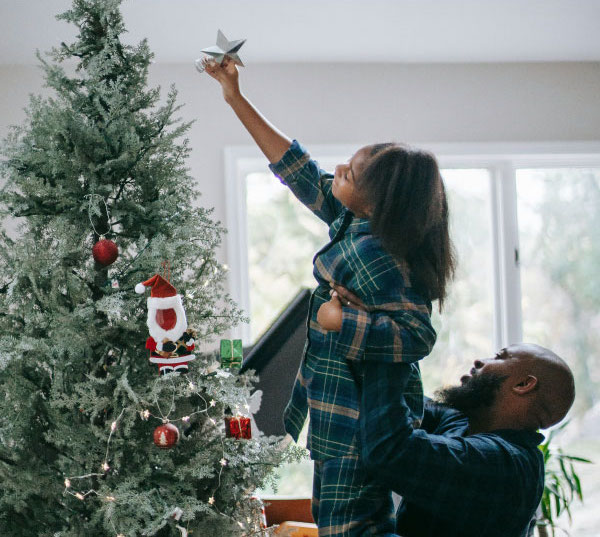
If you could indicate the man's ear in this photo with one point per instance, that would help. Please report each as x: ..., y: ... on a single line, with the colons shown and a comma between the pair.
x: 526, y: 385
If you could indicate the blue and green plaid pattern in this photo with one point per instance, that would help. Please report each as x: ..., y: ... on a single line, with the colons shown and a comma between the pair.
x: 347, y: 502
x: 452, y: 483
x: 396, y: 327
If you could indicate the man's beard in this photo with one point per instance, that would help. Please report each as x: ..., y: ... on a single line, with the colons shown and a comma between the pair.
x: 476, y: 393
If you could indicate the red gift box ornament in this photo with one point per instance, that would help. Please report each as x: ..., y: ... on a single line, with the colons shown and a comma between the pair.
x: 166, y: 436
x: 238, y: 427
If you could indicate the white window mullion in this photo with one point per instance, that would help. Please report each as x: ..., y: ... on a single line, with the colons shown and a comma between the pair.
x: 507, y: 280
x: 237, y: 237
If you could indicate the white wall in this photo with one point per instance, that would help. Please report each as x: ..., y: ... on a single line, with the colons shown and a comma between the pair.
x: 343, y: 103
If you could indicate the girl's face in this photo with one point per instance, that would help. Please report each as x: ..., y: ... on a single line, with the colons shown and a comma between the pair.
x: 344, y: 187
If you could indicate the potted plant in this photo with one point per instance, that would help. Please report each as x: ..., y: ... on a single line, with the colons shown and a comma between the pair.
x: 562, y: 485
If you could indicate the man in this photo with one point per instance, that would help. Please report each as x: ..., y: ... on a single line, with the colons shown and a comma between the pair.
x: 474, y: 467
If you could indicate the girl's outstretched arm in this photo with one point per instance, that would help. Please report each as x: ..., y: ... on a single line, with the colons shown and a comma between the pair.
x: 271, y: 141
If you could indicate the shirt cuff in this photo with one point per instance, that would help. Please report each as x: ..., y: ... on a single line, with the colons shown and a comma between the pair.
x: 293, y: 160
x: 352, y: 338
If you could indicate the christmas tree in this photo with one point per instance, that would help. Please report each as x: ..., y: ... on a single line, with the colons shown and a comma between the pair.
x: 100, y: 160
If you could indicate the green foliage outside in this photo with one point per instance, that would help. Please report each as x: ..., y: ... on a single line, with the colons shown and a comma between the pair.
x: 73, y: 360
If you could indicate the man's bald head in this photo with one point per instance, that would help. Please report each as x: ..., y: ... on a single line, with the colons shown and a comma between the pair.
x: 554, y: 393
x: 524, y: 386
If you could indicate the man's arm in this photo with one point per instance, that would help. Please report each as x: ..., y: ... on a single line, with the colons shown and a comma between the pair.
x: 423, y: 468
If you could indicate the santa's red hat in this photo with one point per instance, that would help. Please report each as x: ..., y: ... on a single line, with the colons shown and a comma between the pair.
x: 161, y: 288
x: 163, y: 296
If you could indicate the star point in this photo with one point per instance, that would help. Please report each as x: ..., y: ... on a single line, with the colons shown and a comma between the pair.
x: 225, y: 49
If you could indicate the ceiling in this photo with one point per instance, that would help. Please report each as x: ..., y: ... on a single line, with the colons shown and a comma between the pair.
x: 409, y: 31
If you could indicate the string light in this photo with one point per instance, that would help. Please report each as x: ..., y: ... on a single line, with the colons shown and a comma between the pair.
x: 145, y: 414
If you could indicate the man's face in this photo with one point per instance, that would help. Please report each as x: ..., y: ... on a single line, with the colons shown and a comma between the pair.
x: 479, y: 388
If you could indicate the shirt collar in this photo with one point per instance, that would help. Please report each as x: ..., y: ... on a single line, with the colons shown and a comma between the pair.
x: 521, y: 437
x: 358, y: 225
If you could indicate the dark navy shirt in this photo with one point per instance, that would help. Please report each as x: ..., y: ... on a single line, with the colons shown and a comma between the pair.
x: 452, y: 483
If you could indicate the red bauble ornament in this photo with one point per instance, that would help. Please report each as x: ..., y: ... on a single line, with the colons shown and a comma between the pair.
x: 105, y: 252
x: 166, y: 436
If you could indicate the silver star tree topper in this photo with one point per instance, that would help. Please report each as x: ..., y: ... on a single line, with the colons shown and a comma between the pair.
x: 223, y: 49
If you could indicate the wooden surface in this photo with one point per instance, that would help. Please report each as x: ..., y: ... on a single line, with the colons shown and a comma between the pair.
x: 297, y: 529
x: 281, y: 509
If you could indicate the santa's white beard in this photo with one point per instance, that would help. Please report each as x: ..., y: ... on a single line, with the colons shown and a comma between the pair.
x: 156, y: 331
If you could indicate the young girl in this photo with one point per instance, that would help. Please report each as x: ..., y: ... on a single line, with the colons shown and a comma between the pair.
x: 389, y: 256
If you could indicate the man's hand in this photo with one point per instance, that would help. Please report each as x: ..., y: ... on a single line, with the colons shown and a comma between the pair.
x: 226, y: 74
x: 347, y: 298
x: 329, y: 315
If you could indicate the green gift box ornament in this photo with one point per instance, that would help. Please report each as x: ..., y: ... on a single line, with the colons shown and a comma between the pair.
x: 231, y: 353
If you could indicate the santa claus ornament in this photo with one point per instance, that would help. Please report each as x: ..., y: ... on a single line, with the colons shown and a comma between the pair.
x: 171, y: 342
x: 166, y: 436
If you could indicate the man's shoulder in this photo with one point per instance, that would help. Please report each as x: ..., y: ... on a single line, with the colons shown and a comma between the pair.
x: 440, y: 419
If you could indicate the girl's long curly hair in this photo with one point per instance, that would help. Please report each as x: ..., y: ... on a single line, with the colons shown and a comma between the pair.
x: 406, y: 193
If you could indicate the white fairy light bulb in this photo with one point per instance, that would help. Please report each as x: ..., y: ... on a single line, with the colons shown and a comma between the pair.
x: 67, y: 483
x: 105, y: 466
x: 113, y: 426
x: 185, y: 419
x: 110, y: 498
x: 211, y: 500
x: 79, y: 496
x: 223, y: 461
x: 213, y: 402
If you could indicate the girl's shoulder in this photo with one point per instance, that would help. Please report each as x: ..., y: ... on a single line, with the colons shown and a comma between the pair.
x: 376, y: 270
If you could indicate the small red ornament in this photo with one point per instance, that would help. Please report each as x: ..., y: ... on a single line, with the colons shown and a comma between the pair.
x: 238, y: 427
x: 105, y: 252
x: 166, y: 436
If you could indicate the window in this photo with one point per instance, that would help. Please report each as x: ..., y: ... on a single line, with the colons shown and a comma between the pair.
x: 559, y: 232
x: 525, y: 220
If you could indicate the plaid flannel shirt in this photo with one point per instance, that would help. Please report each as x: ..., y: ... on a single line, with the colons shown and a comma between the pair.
x: 396, y: 327
x: 452, y: 483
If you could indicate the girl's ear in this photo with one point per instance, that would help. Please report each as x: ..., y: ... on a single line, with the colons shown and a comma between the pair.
x: 526, y: 385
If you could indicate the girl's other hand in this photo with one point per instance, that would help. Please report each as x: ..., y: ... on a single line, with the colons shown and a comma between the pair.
x: 226, y: 74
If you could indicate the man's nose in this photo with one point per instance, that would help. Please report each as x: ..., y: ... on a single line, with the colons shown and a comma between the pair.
x: 478, y: 364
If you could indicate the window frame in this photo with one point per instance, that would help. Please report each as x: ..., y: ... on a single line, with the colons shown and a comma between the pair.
x: 501, y: 159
